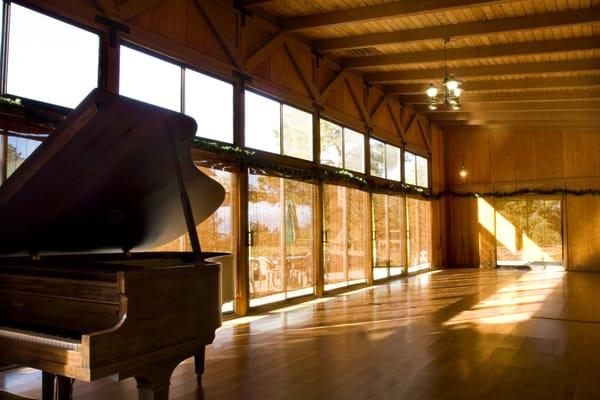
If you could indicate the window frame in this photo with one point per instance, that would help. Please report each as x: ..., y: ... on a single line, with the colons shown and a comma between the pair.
x: 183, y: 66
x: 417, y: 156
x: 5, y: 15
x: 260, y: 93
x: 343, y: 150
x: 385, y: 160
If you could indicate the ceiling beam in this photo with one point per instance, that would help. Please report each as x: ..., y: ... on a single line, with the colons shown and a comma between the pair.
x: 479, y: 52
x: 486, y: 70
x: 253, y: 3
x: 520, y: 123
x: 525, y: 106
x: 549, y: 115
x: 380, y: 11
x: 467, y: 29
x: 505, y: 84
x: 540, y: 95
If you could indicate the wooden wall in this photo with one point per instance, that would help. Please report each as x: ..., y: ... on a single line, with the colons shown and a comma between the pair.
x: 505, y: 159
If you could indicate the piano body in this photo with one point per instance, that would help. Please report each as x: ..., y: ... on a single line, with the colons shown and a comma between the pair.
x: 79, y: 297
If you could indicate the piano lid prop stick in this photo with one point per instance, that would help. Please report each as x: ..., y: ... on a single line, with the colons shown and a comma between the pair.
x: 185, y: 201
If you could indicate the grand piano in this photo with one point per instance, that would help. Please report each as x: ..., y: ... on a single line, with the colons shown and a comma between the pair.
x: 81, y: 297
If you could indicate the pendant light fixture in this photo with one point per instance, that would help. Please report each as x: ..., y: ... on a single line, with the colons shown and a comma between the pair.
x: 450, y: 89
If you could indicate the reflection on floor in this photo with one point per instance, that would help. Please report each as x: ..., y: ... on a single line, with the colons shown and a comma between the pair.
x: 456, y: 334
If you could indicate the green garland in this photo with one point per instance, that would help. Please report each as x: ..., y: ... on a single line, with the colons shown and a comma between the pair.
x: 347, y: 178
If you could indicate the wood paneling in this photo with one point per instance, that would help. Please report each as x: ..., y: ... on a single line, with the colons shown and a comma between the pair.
x: 512, y: 159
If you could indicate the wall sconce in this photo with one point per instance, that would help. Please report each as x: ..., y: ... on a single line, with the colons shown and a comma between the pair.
x: 462, y: 172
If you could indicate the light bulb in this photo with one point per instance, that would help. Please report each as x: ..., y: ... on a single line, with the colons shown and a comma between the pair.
x: 431, y: 91
x: 457, y: 92
x: 432, y: 106
x: 463, y: 172
x: 452, y: 84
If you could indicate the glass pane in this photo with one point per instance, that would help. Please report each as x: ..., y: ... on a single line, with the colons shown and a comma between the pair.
x: 331, y: 144
x: 422, y: 174
x: 358, y: 234
x: 334, y: 235
x: 18, y: 150
x: 298, y: 236
x: 210, y: 102
x: 397, y: 233
x: 150, y: 79
x: 380, y: 226
x: 266, y: 224
x: 419, y: 234
x: 215, y: 234
x: 262, y: 123
x: 354, y: 150
x: 377, y: 150
x: 50, y: 60
x: 528, y: 231
x: 410, y: 168
x: 297, y: 133
x: 392, y: 162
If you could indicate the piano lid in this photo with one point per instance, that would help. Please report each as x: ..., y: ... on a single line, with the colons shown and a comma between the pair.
x: 106, y: 180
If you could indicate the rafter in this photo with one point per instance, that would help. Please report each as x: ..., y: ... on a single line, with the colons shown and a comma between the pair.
x: 132, y: 8
x: 380, y: 11
x: 384, y: 100
x: 486, y: 70
x: 468, y: 29
x: 525, y: 106
x: 470, y: 53
x: 397, y: 123
x: 359, y: 104
x: 505, y: 84
x: 253, y: 3
x: 308, y: 83
x: 425, y: 134
x: 264, y: 52
x: 520, y: 123
x: 333, y: 84
x: 540, y: 95
x: 231, y: 50
x: 549, y: 115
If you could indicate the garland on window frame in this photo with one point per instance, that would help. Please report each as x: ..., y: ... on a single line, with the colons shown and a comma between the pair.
x: 348, y: 178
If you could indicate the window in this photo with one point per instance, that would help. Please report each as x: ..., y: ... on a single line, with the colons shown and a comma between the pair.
x: 342, y: 147
x: 156, y: 81
x: 277, y: 128
x: 416, y: 170
x: 419, y: 234
x: 150, y: 79
x: 18, y: 150
x: 385, y: 160
x: 210, y: 102
x: 215, y: 235
x: 345, y: 236
x: 280, y: 220
x: 389, y: 254
x: 50, y: 60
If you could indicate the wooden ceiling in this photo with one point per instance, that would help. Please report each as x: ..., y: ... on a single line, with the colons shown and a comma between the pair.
x: 523, y: 62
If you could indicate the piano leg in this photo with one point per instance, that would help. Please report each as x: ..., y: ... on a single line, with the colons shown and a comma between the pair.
x: 199, y: 363
x: 48, y: 385
x: 64, y: 388
x: 154, y: 385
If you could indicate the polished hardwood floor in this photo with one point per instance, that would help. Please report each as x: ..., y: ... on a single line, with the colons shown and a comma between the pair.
x: 453, y: 334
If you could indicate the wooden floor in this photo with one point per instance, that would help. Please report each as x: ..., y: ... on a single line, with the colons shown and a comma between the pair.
x: 457, y: 334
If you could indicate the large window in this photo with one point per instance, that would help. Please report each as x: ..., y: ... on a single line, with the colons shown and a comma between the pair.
x: 277, y: 128
x: 18, y: 150
x: 385, y: 160
x: 416, y: 170
x: 215, y: 234
x: 419, y: 234
x: 342, y: 147
x: 528, y: 231
x: 345, y: 236
x: 389, y: 235
x: 154, y: 80
x: 280, y: 220
x: 50, y: 60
